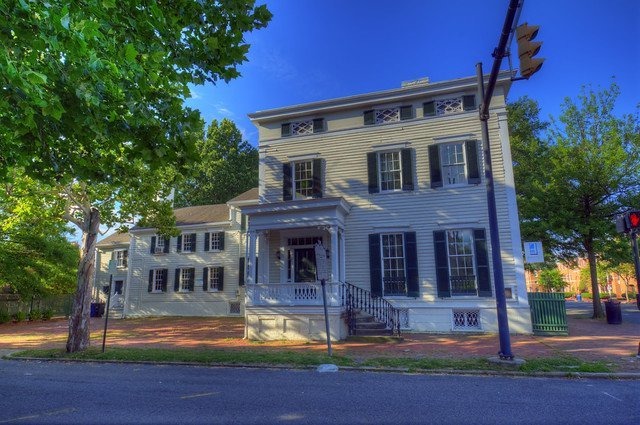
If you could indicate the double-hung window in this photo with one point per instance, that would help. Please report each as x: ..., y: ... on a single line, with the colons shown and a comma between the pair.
x: 157, y: 280
x: 393, y: 261
x: 462, y: 264
x: 454, y: 164
x: 159, y: 244
x: 393, y: 264
x: 302, y: 179
x: 212, y: 279
x: 121, y: 257
x: 186, y: 242
x: 214, y: 241
x: 185, y: 279
x: 390, y: 171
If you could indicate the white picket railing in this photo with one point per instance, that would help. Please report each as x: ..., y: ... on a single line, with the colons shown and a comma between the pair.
x: 292, y: 294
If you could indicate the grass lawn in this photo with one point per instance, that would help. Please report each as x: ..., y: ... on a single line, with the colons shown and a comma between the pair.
x: 297, y: 359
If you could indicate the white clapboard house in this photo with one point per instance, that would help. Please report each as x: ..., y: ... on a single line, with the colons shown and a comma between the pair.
x: 197, y: 273
x: 392, y: 184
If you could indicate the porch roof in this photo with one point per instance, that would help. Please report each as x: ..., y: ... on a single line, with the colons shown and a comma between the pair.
x: 298, y: 213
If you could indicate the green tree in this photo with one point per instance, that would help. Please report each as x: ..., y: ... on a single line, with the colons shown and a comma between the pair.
x: 584, y: 173
x: 226, y: 167
x: 551, y: 280
x: 36, y: 258
x: 92, y: 105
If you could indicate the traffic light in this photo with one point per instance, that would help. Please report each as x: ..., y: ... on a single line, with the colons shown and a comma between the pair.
x: 527, y: 49
x: 632, y: 220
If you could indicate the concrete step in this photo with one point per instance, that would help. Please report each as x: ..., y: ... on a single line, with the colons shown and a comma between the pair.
x: 372, y: 332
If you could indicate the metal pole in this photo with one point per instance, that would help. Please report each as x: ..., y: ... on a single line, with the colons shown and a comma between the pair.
x: 326, y: 316
x: 106, y: 318
x: 636, y: 260
x: 501, y: 301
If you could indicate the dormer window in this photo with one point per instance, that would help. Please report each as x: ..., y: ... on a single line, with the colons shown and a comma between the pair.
x: 388, y: 115
x: 300, y: 128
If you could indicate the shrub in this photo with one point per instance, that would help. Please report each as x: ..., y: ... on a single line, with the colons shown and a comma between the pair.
x: 35, y: 315
x: 20, y: 316
x: 47, y: 314
x: 586, y: 296
x: 569, y: 294
x: 4, y: 317
x: 605, y: 296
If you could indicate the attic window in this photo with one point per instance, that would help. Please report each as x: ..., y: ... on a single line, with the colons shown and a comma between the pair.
x: 300, y: 128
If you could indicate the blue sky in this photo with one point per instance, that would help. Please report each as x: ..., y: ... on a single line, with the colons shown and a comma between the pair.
x: 314, y: 50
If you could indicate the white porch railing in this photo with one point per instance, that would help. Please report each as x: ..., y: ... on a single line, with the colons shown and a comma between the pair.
x: 292, y: 294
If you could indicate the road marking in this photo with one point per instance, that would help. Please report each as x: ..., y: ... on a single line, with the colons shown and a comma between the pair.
x: 611, y: 396
x: 37, y: 415
x: 184, y: 397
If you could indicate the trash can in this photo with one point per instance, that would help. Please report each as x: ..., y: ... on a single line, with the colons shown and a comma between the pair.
x: 614, y: 312
x: 97, y: 309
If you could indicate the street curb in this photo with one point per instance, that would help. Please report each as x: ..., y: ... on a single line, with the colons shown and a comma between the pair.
x: 508, y: 373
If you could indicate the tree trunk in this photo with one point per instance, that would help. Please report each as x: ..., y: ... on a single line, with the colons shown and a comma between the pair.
x: 595, y: 289
x: 78, y: 339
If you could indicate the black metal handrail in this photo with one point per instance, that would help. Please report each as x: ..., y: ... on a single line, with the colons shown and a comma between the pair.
x: 357, y: 299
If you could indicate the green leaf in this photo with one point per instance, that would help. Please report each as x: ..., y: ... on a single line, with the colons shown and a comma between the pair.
x: 36, y: 77
x: 108, y: 4
x: 130, y: 52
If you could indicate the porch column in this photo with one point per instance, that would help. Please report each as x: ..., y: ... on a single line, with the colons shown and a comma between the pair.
x: 343, y: 267
x: 263, y: 264
x: 252, y: 237
x: 335, y: 255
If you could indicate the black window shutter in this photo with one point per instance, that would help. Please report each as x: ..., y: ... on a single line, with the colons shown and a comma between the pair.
x: 411, y: 251
x: 406, y: 112
x: 285, y: 129
x: 473, y: 167
x: 407, y: 169
x: 318, y: 125
x: 469, y: 102
x: 442, y: 263
x: 221, y: 240
x: 256, y: 274
x: 241, y: 271
x: 434, y: 166
x: 179, y: 244
x: 369, y: 117
x: 167, y: 242
x: 372, y: 168
x: 206, y: 241
x: 153, y: 245
x: 482, y: 263
x: 165, y: 274
x: 429, y: 109
x: 220, y: 278
x: 317, y: 178
x: 194, y: 242
x: 375, y: 266
x: 243, y: 222
x: 125, y: 258
x: 192, y: 279
x: 287, y: 182
x: 205, y: 279
x: 176, y: 283
x: 150, y: 288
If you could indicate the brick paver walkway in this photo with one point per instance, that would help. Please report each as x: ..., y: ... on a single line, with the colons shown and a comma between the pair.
x: 589, y: 340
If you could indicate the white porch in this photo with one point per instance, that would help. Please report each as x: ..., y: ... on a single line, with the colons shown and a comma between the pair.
x: 283, y: 296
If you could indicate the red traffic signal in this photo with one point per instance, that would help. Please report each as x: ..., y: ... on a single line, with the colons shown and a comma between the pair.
x: 632, y: 220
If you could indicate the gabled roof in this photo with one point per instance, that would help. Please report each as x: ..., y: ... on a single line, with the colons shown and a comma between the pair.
x: 113, y: 240
x: 249, y: 195
x: 201, y: 214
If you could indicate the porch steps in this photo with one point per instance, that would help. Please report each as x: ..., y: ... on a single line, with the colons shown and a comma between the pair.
x: 367, y: 325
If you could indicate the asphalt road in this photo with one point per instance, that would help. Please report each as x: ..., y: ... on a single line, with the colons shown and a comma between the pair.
x: 77, y: 393
x: 630, y: 312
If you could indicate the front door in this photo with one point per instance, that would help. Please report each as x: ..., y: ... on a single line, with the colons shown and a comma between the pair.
x: 304, y: 265
x: 117, y: 297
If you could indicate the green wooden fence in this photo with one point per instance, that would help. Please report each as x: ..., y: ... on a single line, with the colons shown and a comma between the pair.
x: 548, y: 313
x: 60, y: 305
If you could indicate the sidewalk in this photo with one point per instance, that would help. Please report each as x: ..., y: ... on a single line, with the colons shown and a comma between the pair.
x: 588, y: 339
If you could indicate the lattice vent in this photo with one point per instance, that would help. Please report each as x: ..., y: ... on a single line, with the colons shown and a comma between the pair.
x: 449, y: 106
x: 234, y: 307
x: 302, y: 127
x: 387, y: 115
x: 466, y: 320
